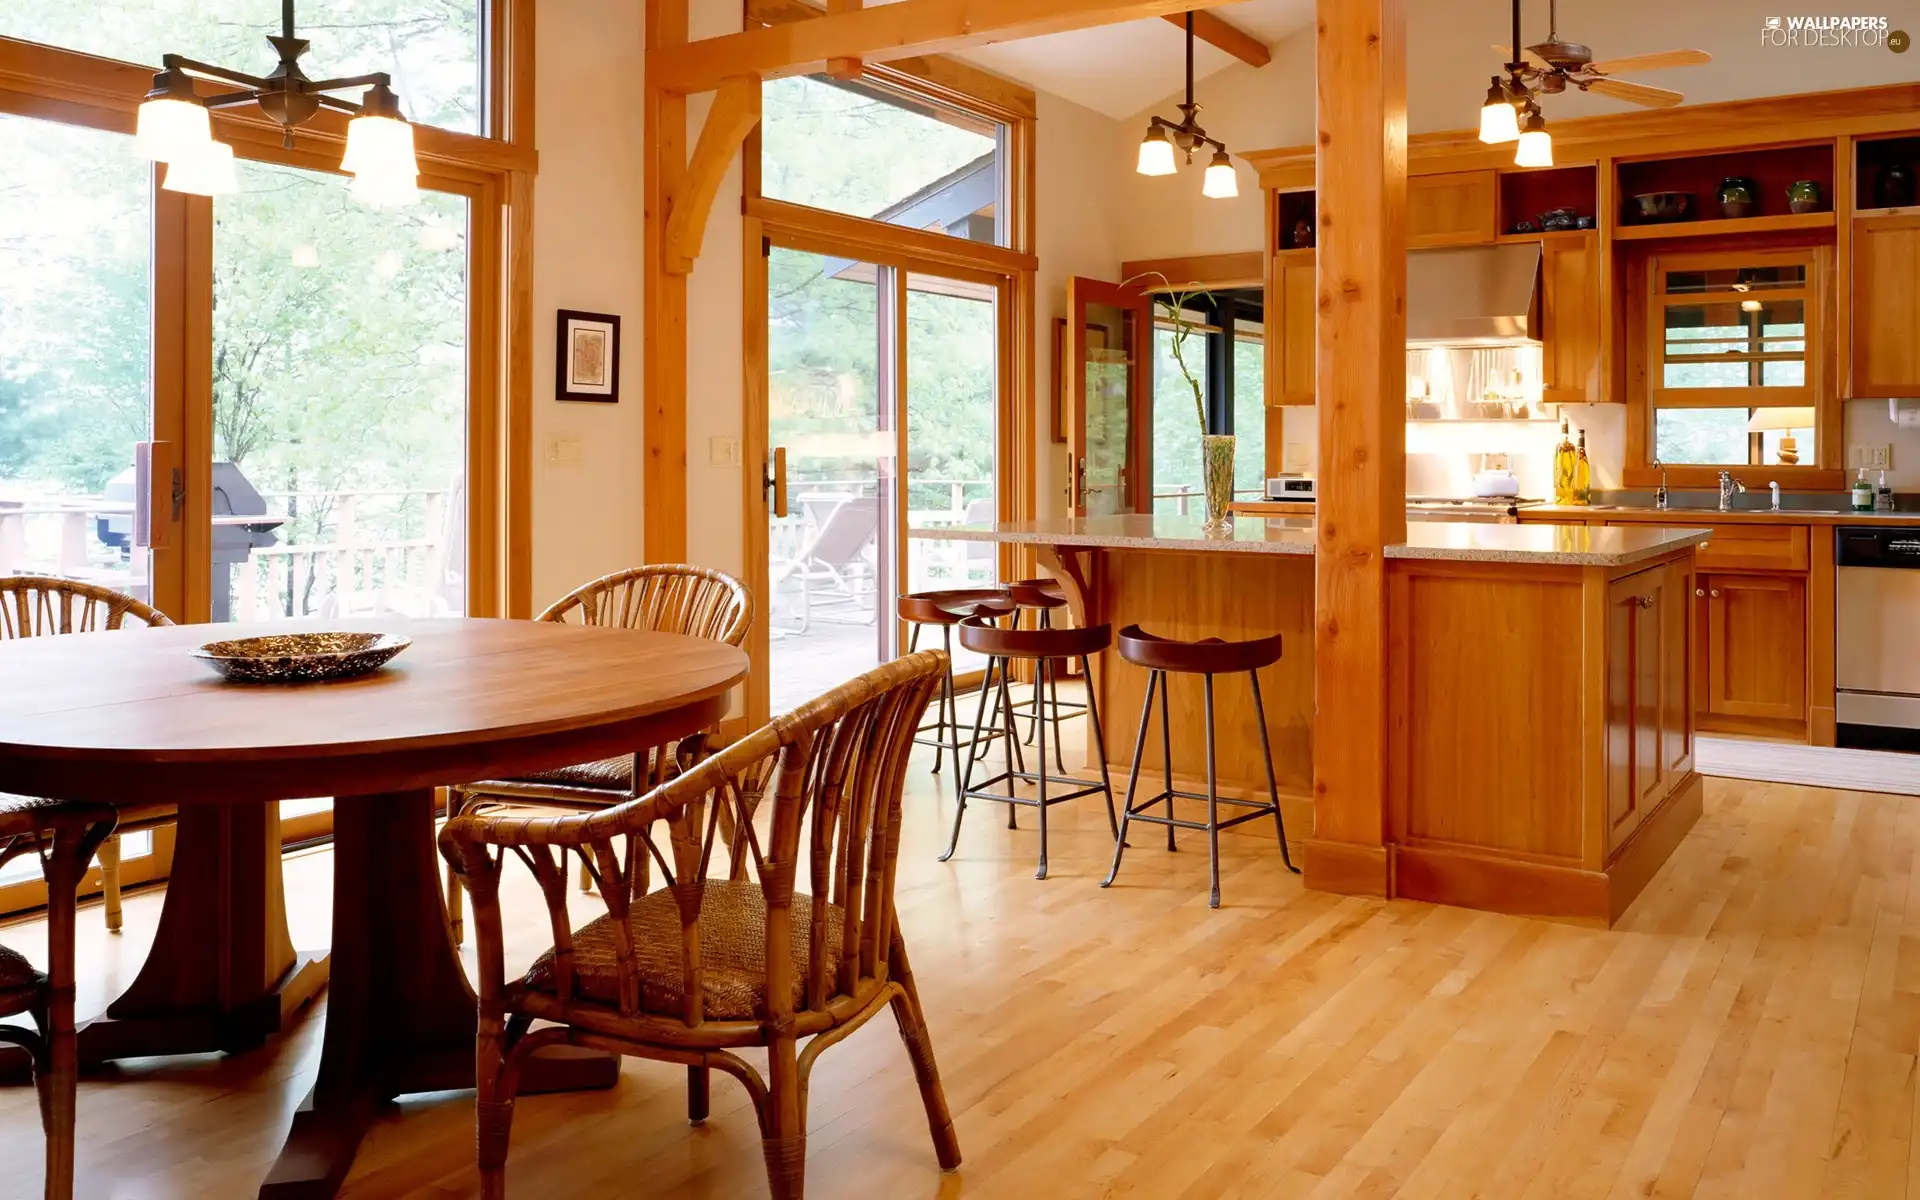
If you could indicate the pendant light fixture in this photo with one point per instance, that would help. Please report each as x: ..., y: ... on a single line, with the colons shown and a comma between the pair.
x: 173, y: 125
x: 1156, y: 149
x: 1511, y: 113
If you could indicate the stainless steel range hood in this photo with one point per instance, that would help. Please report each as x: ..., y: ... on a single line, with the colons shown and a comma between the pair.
x: 1474, y: 295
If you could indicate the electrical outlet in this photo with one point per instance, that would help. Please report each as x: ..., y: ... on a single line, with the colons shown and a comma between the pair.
x: 1874, y: 456
x: 723, y: 451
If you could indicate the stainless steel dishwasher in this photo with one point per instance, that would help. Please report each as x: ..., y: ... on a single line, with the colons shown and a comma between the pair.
x: 1876, y: 650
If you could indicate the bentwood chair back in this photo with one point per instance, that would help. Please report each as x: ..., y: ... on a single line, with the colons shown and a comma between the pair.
x: 41, y: 606
x: 798, y: 944
x: 662, y: 598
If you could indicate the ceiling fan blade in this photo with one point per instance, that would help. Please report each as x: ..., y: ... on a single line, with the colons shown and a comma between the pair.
x: 1651, y: 62
x: 1526, y: 56
x: 1633, y: 93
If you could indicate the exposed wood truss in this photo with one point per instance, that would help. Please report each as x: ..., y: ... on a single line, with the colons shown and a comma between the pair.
x: 735, y: 111
x: 1223, y: 34
x: 883, y: 33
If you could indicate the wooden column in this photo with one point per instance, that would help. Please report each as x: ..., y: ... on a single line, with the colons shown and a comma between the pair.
x: 1361, y: 368
x: 663, y: 350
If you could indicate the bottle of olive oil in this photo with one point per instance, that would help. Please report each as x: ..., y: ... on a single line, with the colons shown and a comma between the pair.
x: 1563, y: 463
x: 1582, y: 473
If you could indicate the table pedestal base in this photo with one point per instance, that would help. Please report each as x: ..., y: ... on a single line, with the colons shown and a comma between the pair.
x: 400, y: 1012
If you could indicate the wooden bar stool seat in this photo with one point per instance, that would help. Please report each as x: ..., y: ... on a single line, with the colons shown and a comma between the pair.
x: 1206, y: 658
x: 1045, y: 648
x: 1043, y: 598
x: 943, y: 610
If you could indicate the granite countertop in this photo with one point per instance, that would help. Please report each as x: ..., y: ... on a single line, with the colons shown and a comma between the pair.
x: 1737, y: 516
x: 1459, y: 541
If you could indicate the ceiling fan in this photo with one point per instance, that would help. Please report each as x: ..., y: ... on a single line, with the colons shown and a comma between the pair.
x: 1552, y: 65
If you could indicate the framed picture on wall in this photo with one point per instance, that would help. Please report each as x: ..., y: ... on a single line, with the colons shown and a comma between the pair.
x: 587, y: 357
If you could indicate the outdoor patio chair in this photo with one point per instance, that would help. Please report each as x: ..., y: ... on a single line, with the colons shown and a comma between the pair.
x: 832, y: 568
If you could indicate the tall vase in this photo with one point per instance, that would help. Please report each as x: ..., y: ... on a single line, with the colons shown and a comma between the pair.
x: 1216, y: 468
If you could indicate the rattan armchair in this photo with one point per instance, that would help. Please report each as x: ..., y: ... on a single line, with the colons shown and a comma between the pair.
x: 663, y: 598
x: 65, y: 837
x: 705, y: 966
x: 39, y: 606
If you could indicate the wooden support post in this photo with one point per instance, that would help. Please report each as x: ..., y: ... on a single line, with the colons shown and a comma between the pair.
x: 735, y: 111
x: 1361, y: 369
x: 664, y: 348
x: 844, y: 68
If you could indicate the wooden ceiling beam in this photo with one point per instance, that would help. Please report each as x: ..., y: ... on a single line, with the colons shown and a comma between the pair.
x: 1222, y: 34
x: 882, y: 33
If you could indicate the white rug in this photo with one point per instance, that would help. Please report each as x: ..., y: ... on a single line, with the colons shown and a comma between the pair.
x: 1812, y: 766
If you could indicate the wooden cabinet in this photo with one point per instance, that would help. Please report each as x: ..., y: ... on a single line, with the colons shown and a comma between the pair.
x: 1886, y: 306
x: 1570, y: 318
x: 1752, y: 650
x: 1452, y: 209
x: 1649, y: 746
x: 1291, y: 336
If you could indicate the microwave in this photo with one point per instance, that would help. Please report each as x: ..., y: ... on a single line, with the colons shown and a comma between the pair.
x: 1291, y: 487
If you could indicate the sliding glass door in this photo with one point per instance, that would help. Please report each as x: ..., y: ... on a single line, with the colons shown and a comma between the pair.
x: 882, y: 411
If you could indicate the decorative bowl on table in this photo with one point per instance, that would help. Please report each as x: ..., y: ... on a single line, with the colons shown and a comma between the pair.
x: 302, y: 657
x: 1655, y: 208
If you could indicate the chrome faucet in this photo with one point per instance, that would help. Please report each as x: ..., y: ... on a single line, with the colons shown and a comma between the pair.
x: 1660, y: 497
x: 1729, y: 488
x: 1773, y: 485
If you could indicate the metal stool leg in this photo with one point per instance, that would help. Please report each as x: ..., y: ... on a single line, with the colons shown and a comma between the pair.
x: 1040, y: 728
x: 1016, y: 762
x: 1213, y: 804
x: 1166, y: 750
x: 1100, y: 745
x: 973, y: 756
x: 1133, y: 779
x: 1273, y: 787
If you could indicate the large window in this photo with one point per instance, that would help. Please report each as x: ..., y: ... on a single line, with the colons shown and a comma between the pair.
x: 1731, y: 379
x: 432, y: 48
x: 867, y: 150
x: 1178, y: 424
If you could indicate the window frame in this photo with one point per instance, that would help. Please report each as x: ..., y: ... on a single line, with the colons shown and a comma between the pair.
x: 494, y: 172
x: 1646, y: 357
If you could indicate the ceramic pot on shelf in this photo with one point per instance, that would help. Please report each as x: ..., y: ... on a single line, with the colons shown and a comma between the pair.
x: 1803, y: 196
x: 1739, y: 197
x: 1895, y: 186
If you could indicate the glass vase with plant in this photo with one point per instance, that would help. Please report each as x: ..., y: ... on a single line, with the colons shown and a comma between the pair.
x: 1216, y: 449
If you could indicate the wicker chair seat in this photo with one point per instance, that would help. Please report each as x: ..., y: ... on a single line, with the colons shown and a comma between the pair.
x: 733, y: 932
x: 610, y: 774
x: 21, y: 987
x: 11, y: 804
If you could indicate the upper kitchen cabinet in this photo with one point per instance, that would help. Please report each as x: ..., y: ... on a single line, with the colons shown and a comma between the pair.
x: 1886, y: 306
x: 1457, y: 208
x: 1570, y: 318
x: 1291, y: 311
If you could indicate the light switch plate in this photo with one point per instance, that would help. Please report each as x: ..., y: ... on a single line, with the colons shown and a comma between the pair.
x: 1874, y: 456
x: 563, y: 451
x: 723, y: 451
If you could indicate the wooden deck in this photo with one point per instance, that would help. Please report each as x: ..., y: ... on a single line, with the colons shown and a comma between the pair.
x: 1749, y: 1030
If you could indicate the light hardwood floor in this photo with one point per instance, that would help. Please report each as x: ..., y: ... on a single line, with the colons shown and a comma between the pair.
x: 1750, y: 1030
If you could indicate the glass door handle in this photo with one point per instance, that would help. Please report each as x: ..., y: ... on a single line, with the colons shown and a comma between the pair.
x: 775, y: 480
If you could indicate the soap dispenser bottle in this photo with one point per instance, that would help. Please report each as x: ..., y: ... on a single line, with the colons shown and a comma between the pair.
x: 1883, y: 495
x: 1862, y: 492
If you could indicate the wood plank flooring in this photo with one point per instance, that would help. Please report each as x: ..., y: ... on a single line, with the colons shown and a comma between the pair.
x: 1749, y: 1031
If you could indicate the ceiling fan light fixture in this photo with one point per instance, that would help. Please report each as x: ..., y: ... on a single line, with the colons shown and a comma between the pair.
x: 1220, y: 183
x: 208, y: 171
x: 1156, y: 152
x: 172, y: 122
x: 1535, y: 148
x: 1498, y: 120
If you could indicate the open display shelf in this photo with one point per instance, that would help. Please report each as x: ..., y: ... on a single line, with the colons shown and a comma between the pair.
x: 1872, y: 159
x: 1524, y: 195
x: 1294, y: 206
x: 1771, y: 169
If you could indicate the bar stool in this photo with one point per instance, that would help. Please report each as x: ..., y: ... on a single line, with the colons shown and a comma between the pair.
x: 1044, y: 648
x: 943, y: 610
x: 1206, y: 658
x: 1043, y: 598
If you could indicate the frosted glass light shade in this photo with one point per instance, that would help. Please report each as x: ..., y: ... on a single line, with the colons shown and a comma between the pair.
x: 384, y: 191
x: 381, y: 147
x: 1156, y: 153
x: 209, y: 172
x: 1219, y: 182
x: 166, y: 130
x: 1498, y: 123
x: 1535, y: 149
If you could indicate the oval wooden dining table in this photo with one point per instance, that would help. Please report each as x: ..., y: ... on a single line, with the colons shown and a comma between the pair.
x: 130, y: 716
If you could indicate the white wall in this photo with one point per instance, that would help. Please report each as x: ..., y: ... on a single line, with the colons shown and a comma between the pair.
x: 586, y: 246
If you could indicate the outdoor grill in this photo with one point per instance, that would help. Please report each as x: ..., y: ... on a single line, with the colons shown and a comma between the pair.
x: 233, y: 541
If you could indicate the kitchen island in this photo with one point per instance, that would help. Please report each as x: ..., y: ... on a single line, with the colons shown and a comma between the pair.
x: 1541, y: 749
